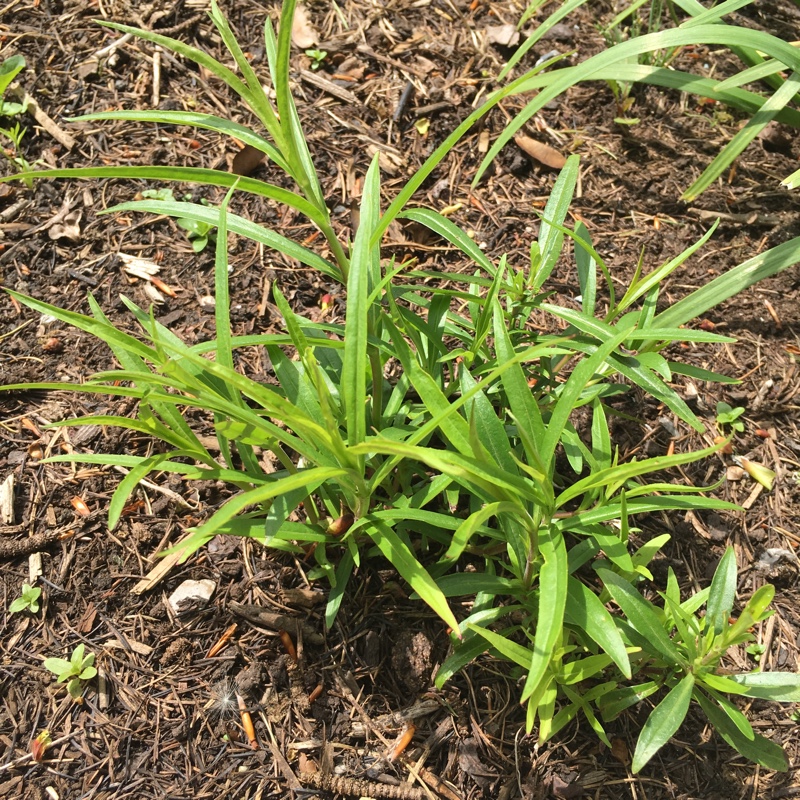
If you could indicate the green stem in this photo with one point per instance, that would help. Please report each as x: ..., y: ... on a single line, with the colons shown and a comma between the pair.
x: 342, y: 261
x: 377, y: 387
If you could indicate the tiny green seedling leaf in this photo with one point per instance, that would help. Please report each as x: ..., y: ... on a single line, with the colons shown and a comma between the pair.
x: 9, y: 69
x: 75, y: 672
x: 28, y: 599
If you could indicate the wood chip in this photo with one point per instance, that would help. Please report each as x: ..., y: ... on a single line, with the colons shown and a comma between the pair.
x: 315, y: 79
x: 7, y: 500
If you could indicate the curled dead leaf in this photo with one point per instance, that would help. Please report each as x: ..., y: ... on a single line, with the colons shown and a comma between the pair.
x: 69, y: 227
x: 505, y: 35
x: 246, y: 160
x: 80, y: 506
x: 542, y: 153
x: 303, y: 33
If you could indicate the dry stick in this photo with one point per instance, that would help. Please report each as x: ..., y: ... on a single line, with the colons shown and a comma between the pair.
x: 356, y: 787
x: 24, y: 547
x: 47, y: 122
x: 330, y: 87
x: 156, y: 76
x: 277, y: 622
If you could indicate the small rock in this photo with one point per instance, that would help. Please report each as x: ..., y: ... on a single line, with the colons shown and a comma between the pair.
x: 192, y: 594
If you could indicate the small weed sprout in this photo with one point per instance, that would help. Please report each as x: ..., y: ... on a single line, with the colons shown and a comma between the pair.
x: 317, y: 57
x: 75, y: 672
x: 9, y: 69
x: 727, y: 415
x: 28, y: 600
x: 199, y: 233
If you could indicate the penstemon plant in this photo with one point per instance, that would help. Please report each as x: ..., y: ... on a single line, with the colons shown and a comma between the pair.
x: 470, y: 457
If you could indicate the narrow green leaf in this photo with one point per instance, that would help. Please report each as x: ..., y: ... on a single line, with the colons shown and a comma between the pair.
x: 552, y: 602
x: 354, y: 370
x: 628, y: 51
x: 471, y: 524
x: 182, y: 49
x: 491, y: 431
x: 509, y: 649
x: 586, y: 266
x: 464, y: 653
x: 723, y: 592
x: 760, y: 750
x: 455, y: 235
x: 236, y: 224
x: 668, y: 78
x: 781, y: 687
x: 663, y: 722
x: 584, y: 609
x: 308, y: 479
x: 742, y: 139
x: 732, y: 282
x: 461, y: 584
x: 539, y: 31
x: 641, y: 615
x: 521, y: 401
x: 576, y: 383
x: 624, y: 472
x: 404, y: 561
x: 555, y: 212
x: 614, y: 703
x: 343, y: 572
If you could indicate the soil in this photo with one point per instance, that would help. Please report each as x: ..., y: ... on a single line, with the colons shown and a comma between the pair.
x: 162, y: 719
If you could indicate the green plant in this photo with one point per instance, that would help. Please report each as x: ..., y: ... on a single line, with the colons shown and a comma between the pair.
x: 729, y: 416
x: 9, y: 70
x: 317, y: 57
x: 75, y: 672
x: 766, y: 57
x: 198, y: 232
x: 28, y: 600
x: 15, y: 135
x: 469, y: 471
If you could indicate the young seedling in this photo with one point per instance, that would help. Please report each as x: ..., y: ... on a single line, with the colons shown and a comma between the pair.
x: 28, y: 600
x: 9, y: 69
x: 727, y: 415
x: 199, y: 233
x: 317, y: 57
x: 75, y: 672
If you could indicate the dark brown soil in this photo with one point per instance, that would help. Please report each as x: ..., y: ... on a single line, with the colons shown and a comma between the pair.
x: 163, y: 720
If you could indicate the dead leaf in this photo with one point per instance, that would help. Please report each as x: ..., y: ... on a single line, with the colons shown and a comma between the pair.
x: 246, y: 160
x: 562, y: 789
x: 619, y: 750
x: 505, y: 35
x: 303, y: 33
x: 138, y: 267
x: 389, y: 162
x: 68, y: 228
x: 542, y: 153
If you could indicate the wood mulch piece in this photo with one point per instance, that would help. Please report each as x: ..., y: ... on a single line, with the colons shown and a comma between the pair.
x: 163, y: 718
